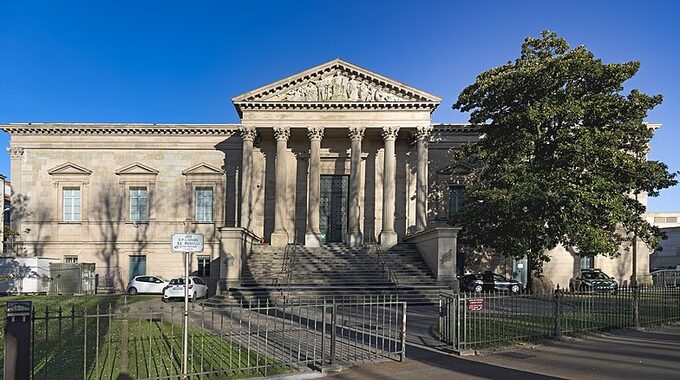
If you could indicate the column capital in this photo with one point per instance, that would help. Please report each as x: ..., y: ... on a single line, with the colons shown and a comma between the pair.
x: 423, y: 132
x: 315, y: 133
x: 281, y: 133
x: 248, y: 133
x: 356, y: 133
x: 15, y: 151
x: 390, y: 133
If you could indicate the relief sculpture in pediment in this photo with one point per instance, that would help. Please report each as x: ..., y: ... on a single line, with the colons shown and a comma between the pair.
x: 337, y: 87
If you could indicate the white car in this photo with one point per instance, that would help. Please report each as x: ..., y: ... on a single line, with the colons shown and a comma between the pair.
x: 146, y: 284
x: 175, y: 289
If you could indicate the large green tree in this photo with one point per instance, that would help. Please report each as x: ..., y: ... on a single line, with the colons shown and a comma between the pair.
x: 562, y: 157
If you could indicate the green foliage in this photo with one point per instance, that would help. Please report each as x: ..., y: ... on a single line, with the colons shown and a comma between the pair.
x: 563, y: 154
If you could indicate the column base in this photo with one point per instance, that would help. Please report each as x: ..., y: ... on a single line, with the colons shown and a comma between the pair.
x: 312, y: 240
x: 279, y: 239
x: 388, y: 239
x: 354, y: 239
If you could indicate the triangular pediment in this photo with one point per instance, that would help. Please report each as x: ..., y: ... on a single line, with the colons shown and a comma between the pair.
x: 337, y: 81
x: 462, y: 168
x: 202, y: 169
x: 70, y: 169
x: 136, y: 168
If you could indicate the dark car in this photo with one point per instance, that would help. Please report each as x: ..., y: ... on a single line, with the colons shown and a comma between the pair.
x: 593, y: 280
x: 488, y: 281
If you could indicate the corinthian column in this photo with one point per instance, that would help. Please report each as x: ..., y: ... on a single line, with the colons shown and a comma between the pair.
x: 279, y: 237
x: 422, y: 136
x: 248, y: 135
x: 388, y: 237
x: 356, y: 134
x: 312, y: 235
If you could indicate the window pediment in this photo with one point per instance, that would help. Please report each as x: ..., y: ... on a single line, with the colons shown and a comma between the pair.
x: 70, y: 169
x: 202, y: 169
x: 136, y: 168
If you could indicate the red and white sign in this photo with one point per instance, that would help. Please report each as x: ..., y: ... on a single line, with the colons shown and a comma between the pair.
x: 475, y: 304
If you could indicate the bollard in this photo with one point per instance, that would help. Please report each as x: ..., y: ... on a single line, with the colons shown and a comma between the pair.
x: 18, y: 340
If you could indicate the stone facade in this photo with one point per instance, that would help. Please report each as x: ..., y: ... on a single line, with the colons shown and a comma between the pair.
x: 367, y: 135
x: 669, y: 255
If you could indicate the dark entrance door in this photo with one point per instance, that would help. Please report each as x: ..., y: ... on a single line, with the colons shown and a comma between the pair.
x: 137, y: 266
x: 333, y: 208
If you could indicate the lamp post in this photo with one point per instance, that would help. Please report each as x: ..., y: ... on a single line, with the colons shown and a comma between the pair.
x: 633, y: 278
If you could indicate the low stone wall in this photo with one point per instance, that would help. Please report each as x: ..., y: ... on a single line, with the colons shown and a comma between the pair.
x: 235, y: 243
x: 438, y: 246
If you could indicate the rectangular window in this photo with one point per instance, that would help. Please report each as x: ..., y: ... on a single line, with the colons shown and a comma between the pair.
x: 204, y: 266
x: 456, y: 200
x: 139, y: 204
x: 71, y: 259
x: 204, y: 204
x: 71, y: 204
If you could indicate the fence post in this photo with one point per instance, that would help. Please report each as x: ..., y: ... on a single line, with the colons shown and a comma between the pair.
x: 459, y: 305
x: 323, y: 331
x: 403, y: 332
x: 124, y: 334
x: 557, y: 332
x: 453, y: 320
x: 334, y: 330
x: 18, y: 340
x: 636, y: 306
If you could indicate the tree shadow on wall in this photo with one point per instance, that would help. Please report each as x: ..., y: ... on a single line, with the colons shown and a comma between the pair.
x: 29, y: 232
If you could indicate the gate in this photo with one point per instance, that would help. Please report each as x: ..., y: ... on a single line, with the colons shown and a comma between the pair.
x: 242, y: 341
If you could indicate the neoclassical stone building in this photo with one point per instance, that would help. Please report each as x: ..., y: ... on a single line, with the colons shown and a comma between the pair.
x: 334, y: 154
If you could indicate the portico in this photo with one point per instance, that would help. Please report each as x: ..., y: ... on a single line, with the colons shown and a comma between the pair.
x: 334, y: 120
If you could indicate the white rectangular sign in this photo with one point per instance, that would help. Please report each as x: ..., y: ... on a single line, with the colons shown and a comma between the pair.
x: 187, y: 242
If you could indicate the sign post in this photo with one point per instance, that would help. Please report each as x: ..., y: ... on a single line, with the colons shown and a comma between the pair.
x: 187, y: 244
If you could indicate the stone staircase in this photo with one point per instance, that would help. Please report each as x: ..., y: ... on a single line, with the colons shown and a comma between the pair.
x: 333, y: 270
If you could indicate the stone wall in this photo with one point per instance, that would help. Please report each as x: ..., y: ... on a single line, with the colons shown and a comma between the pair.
x: 104, y: 167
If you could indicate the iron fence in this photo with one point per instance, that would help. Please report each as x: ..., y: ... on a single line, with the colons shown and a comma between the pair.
x: 239, y: 341
x: 472, y: 321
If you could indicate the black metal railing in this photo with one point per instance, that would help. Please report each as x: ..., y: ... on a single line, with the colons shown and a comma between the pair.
x: 259, y: 339
x: 470, y: 320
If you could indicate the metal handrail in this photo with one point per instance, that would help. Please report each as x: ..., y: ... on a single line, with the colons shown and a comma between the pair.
x: 290, y: 262
x: 387, y: 271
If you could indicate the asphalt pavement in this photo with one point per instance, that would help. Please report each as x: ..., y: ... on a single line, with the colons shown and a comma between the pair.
x: 627, y: 354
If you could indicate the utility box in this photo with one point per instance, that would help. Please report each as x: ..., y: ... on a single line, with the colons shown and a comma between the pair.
x: 25, y: 274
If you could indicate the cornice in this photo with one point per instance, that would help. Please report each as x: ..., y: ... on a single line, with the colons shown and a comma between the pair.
x: 450, y: 129
x: 192, y: 129
x: 59, y: 129
x: 336, y: 106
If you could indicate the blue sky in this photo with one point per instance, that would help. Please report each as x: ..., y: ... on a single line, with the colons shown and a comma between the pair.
x: 180, y: 61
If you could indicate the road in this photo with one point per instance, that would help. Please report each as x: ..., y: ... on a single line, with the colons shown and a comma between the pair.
x: 627, y: 354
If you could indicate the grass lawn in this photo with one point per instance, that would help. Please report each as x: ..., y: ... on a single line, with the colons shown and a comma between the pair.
x: 64, y: 347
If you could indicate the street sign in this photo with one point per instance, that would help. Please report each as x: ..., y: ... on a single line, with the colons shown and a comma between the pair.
x: 475, y: 304
x: 187, y: 242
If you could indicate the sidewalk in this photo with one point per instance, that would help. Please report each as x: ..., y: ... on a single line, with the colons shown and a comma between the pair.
x: 628, y: 354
